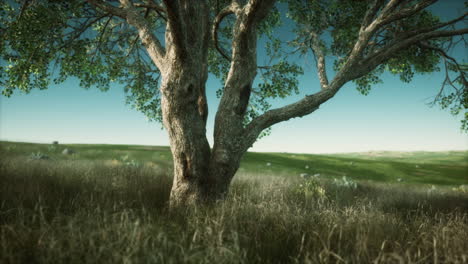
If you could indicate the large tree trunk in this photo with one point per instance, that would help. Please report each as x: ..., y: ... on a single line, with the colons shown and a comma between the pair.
x: 198, y: 175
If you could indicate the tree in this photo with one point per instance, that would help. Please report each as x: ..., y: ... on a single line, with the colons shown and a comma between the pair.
x: 173, y: 45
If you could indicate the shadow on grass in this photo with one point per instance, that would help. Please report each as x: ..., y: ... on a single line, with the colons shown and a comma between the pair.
x: 68, y: 187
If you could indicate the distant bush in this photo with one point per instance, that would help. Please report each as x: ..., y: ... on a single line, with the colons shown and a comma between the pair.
x: 311, y: 188
x: 345, y: 182
x: 38, y: 156
x: 130, y: 163
x: 52, y: 148
x: 461, y: 189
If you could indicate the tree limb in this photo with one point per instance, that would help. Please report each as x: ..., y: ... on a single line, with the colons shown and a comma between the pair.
x: 153, y: 6
x: 387, y: 51
x: 79, y: 31
x: 406, y: 12
x: 437, y: 26
x: 155, y: 50
x: 446, y: 57
x: 108, y: 8
x: 320, y: 60
x: 425, y: 45
x: 228, y: 10
x: 372, y: 12
x: 24, y: 6
x: 355, y: 66
x: 174, y: 22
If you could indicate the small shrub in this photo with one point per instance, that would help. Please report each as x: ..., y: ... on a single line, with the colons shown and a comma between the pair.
x: 38, y: 156
x: 345, y: 182
x: 52, y: 148
x: 461, y: 189
x: 431, y: 190
x: 131, y: 163
x: 311, y: 188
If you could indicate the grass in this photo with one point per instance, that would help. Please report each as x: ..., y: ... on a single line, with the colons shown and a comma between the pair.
x: 96, y: 207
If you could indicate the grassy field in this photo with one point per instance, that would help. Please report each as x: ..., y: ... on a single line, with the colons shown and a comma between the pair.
x: 108, y: 204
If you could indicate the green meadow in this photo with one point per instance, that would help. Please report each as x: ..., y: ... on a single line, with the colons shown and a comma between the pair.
x: 108, y: 204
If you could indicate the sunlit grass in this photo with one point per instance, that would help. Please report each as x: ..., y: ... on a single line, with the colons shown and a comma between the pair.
x: 72, y: 209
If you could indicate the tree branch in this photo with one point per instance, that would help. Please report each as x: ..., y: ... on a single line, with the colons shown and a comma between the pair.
x: 438, y: 26
x: 425, y: 45
x: 406, y: 12
x: 152, y: 44
x: 355, y: 66
x: 153, y: 6
x: 447, y: 76
x: 238, y: 86
x: 79, y: 31
x: 108, y: 8
x: 174, y: 22
x: 372, y: 12
x: 230, y: 9
x: 300, y: 108
x: 319, y: 59
x: 401, y: 43
x: 24, y: 6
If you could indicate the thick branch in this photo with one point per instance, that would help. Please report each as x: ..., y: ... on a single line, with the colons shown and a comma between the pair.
x: 398, y: 44
x: 300, y: 108
x: 407, y: 12
x: 231, y: 9
x: 174, y: 23
x: 372, y: 12
x: 354, y: 67
x: 108, y: 8
x: 238, y: 86
x: 320, y: 60
x: 150, y: 41
x: 153, y: 6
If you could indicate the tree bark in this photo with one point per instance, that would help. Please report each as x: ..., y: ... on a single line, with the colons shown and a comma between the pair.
x: 183, y: 100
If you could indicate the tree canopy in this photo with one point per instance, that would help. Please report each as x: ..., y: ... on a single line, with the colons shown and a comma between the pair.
x: 44, y: 41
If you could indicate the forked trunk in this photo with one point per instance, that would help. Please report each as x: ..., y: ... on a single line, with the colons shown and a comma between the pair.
x: 200, y: 175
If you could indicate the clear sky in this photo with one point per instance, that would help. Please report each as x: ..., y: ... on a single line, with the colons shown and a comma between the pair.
x: 394, y: 116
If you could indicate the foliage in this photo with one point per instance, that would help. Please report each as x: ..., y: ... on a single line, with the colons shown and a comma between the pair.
x: 311, y: 189
x: 462, y: 188
x: 38, y: 156
x: 338, y: 23
x: 54, y: 40
x: 130, y: 163
x: 45, y: 41
x: 345, y: 182
x: 52, y: 148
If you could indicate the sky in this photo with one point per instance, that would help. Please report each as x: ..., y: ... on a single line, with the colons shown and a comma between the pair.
x: 395, y: 116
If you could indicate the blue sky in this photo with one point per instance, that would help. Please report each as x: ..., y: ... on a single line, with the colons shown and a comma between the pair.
x: 394, y: 116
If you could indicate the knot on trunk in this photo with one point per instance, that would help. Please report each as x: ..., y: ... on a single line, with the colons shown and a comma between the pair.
x: 244, y: 98
x: 186, y: 166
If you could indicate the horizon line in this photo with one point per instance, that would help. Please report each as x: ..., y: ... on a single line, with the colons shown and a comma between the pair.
x: 320, y: 153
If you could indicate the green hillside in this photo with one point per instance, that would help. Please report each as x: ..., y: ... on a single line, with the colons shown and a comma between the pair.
x: 109, y: 204
x: 438, y: 168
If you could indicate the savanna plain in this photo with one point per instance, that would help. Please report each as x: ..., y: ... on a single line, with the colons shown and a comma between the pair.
x: 109, y: 204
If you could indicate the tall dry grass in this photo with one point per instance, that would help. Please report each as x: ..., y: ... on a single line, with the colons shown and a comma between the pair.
x: 55, y: 211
